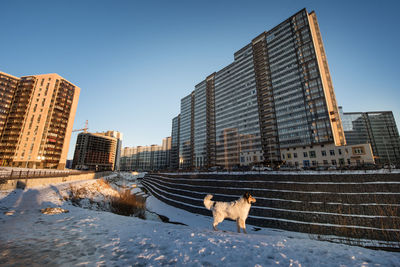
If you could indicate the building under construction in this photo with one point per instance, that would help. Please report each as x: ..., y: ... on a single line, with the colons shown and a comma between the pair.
x: 97, y: 151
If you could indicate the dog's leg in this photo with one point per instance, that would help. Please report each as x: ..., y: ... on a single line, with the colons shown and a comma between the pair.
x: 237, y: 224
x: 215, y: 226
x: 217, y: 219
x: 243, y: 225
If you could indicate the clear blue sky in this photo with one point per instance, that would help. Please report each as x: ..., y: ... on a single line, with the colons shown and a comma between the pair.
x: 135, y: 60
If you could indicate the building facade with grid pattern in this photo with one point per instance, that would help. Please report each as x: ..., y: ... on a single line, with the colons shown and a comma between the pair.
x: 276, y: 94
x: 378, y: 128
x: 40, y: 116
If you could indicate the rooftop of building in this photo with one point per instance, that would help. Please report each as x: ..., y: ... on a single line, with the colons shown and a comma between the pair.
x: 6, y: 74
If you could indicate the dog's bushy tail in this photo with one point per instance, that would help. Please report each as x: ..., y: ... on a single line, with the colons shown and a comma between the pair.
x: 208, y: 202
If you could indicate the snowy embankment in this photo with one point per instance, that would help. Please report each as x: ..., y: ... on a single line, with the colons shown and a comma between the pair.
x: 89, y: 237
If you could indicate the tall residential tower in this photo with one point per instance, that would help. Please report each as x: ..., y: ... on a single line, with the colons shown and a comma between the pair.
x: 277, y: 94
x: 39, y: 122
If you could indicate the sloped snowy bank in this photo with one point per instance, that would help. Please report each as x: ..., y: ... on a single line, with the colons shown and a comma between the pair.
x: 98, y: 238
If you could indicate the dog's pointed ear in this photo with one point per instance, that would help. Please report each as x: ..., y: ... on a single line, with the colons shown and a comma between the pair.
x: 246, y: 195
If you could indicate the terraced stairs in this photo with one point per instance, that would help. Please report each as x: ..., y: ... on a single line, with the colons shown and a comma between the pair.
x: 361, y: 206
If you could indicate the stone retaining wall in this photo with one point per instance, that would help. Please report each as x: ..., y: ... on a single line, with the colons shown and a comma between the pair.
x: 350, y: 205
x: 34, y: 182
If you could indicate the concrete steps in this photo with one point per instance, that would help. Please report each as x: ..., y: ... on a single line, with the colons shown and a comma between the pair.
x: 359, y: 206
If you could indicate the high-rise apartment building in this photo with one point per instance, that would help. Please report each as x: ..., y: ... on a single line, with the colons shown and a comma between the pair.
x: 147, y: 158
x: 95, y: 151
x: 37, y: 130
x: 276, y: 94
x: 376, y: 128
x: 186, y: 132
x: 8, y: 86
x: 166, y: 146
x: 174, y: 161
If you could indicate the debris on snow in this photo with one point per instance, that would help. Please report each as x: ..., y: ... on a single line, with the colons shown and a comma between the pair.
x: 52, y: 211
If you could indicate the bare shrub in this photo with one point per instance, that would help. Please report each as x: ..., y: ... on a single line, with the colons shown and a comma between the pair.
x: 129, y: 204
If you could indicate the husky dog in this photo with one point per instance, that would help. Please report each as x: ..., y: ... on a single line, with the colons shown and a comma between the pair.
x: 237, y: 210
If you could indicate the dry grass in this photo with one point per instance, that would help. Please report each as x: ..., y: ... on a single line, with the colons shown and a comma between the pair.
x: 122, y: 203
x: 129, y: 204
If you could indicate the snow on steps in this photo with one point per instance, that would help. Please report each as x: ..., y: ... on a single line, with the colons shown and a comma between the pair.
x: 354, y: 206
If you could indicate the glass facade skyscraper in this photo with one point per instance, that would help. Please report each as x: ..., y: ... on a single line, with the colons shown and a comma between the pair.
x: 377, y: 128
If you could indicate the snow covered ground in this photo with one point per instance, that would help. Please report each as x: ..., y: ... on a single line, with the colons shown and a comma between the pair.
x: 84, y: 237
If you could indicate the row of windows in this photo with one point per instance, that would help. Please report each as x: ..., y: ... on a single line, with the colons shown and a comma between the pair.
x: 306, y: 163
x: 312, y: 153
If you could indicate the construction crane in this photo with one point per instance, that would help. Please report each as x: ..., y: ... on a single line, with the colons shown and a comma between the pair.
x: 83, y: 129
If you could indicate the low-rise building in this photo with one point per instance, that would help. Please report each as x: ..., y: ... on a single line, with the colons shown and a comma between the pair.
x: 328, y: 155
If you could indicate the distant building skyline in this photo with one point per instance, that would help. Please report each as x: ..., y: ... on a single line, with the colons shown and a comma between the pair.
x: 135, y: 59
x: 147, y: 158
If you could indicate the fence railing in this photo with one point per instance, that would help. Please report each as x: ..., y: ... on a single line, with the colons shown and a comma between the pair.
x: 28, y: 174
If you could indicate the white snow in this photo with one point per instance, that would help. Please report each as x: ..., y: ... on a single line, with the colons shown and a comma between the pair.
x: 96, y: 238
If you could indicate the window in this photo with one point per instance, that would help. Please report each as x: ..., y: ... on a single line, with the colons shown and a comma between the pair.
x: 340, y: 151
x: 325, y: 162
x: 323, y: 152
x: 334, y: 162
x: 289, y: 156
x: 332, y: 152
x: 305, y: 154
x: 283, y: 156
x: 294, y: 155
x: 314, y: 163
x: 312, y: 154
x: 358, y: 150
x: 341, y: 161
